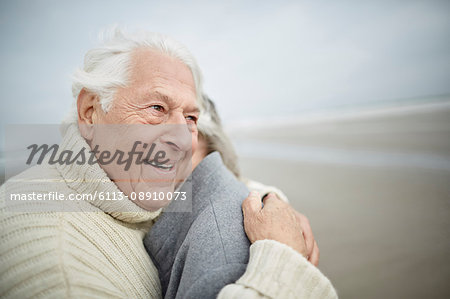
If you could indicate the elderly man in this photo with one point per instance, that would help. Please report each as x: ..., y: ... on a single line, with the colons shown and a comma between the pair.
x: 94, y: 248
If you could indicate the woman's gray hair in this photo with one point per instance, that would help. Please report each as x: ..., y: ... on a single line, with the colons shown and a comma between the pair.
x: 216, y: 138
x: 107, y: 66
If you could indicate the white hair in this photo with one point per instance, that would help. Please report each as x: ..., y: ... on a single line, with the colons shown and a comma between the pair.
x: 217, y: 139
x: 107, y: 67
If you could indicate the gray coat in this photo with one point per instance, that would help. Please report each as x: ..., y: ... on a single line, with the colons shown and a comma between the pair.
x: 198, y: 253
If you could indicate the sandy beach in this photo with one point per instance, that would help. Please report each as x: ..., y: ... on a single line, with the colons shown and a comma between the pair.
x: 376, y: 188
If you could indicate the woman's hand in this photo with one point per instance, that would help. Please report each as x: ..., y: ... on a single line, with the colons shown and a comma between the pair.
x: 278, y: 221
x: 313, y: 253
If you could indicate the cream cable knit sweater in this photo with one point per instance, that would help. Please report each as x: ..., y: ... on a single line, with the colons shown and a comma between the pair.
x: 95, y: 250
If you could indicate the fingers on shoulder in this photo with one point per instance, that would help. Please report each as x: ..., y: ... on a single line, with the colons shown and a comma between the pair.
x: 271, y: 199
x: 252, y: 204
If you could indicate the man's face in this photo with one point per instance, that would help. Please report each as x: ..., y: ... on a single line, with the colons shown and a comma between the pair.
x: 157, y: 107
x: 161, y: 91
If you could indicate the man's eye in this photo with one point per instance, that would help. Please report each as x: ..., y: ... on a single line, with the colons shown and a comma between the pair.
x: 191, y: 118
x: 157, y: 108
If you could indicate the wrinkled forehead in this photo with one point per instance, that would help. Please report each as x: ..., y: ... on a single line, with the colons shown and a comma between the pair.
x: 151, y: 66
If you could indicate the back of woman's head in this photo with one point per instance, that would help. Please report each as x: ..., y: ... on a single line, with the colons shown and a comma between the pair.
x: 215, y: 136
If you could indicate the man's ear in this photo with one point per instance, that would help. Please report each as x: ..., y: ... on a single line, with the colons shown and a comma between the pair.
x: 86, y: 106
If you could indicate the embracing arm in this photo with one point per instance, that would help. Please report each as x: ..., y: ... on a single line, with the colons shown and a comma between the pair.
x: 276, y: 270
x: 311, y: 245
x: 277, y: 267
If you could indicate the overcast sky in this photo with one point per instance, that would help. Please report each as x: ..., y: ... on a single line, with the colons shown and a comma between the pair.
x: 259, y: 59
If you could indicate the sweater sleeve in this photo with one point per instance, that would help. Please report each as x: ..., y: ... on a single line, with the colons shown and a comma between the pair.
x: 276, y: 270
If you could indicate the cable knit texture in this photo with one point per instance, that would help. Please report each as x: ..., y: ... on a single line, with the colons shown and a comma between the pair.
x: 93, y: 251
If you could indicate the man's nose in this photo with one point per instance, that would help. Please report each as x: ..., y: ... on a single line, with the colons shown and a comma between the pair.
x: 177, y: 134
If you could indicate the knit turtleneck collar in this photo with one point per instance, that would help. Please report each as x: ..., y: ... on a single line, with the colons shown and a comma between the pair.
x: 88, y: 179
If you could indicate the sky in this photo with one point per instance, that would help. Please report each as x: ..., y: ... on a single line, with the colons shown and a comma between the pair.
x: 259, y: 59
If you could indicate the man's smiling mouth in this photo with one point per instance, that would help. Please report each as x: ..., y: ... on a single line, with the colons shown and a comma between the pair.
x: 166, y: 167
